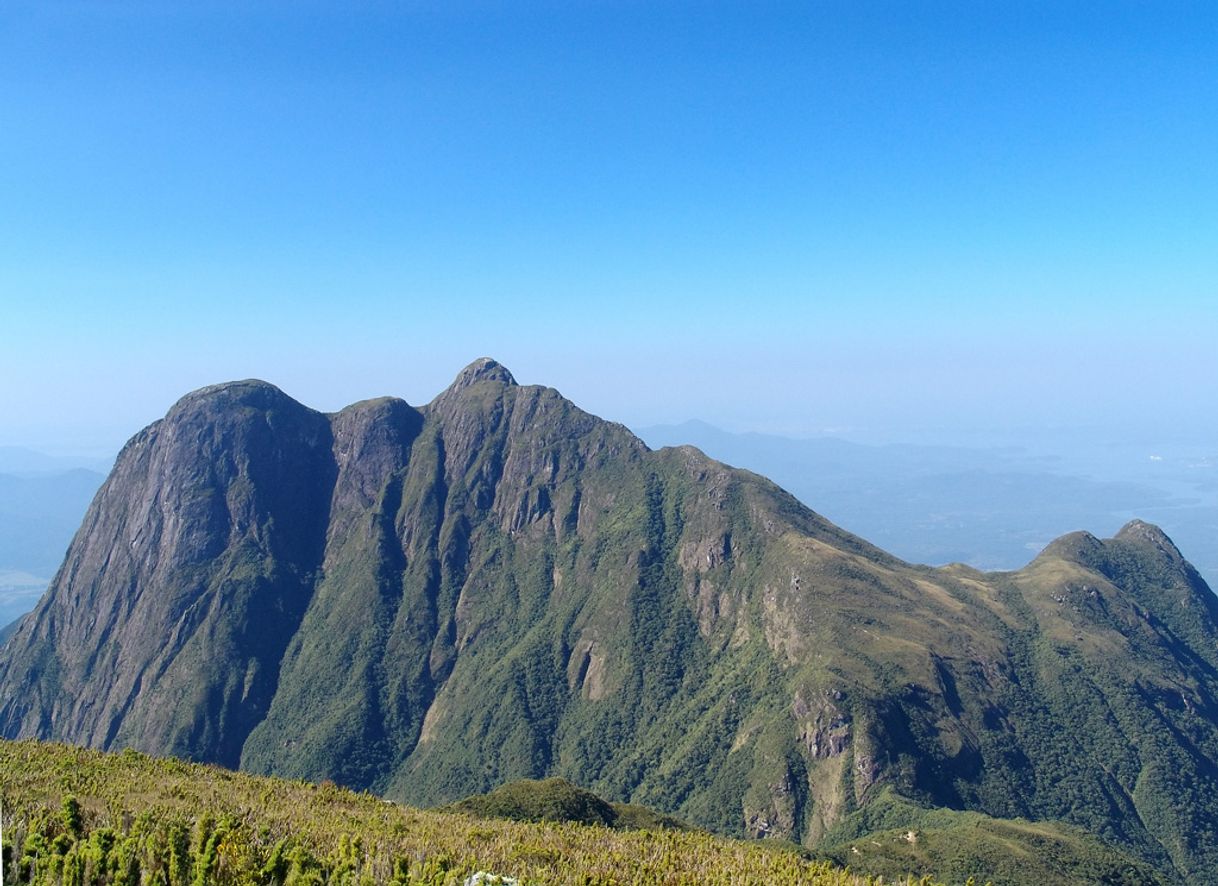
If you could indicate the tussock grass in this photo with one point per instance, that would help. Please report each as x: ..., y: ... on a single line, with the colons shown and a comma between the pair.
x: 75, y: 816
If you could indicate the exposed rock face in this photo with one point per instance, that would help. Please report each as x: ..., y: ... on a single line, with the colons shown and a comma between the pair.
x: 166, y: 623
x: 431, y: 601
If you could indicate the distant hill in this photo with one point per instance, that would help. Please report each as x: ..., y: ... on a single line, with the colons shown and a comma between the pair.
x: 428, y: 602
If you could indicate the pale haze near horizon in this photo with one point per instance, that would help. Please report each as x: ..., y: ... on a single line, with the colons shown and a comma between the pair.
x: 965, y: 224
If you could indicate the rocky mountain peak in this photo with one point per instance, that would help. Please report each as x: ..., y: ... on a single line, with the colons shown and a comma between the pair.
x: 1147, y: 534
x: 1138, y: 545
x: 1076, y: 547
x: 482, y: 369
x: 250, y: 392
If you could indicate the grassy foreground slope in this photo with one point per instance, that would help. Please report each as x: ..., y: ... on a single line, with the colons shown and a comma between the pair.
x: 75, y: 816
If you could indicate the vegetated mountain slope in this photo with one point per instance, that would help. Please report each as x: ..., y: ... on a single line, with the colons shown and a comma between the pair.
x: 557, y: 800
x: 430, y: 602
x: 960, y: 845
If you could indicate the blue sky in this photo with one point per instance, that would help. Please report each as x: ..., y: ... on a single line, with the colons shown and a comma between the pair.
x: 874, y: 217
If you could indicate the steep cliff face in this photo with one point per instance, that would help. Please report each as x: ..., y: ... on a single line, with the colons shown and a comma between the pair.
x: 165, y: 626
x: 431, y: 601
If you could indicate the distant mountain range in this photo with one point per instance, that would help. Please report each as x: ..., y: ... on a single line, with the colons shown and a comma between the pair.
x: 431, y: 601
x: 38, y: 514
x: 20, y: 461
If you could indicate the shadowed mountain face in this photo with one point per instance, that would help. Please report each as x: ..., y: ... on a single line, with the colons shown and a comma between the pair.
x: 428, y: 602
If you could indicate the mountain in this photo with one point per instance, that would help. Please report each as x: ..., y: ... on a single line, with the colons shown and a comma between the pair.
x: 429, y: 602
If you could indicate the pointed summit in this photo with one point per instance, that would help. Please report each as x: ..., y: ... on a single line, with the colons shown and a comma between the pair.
x: 1140, y: 532
x: 482, y: 369
x: 1076, y: 547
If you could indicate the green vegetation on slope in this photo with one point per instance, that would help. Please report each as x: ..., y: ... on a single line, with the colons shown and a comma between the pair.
x: 893, y: 836
x: 557, y: 800
x: 74, y: 817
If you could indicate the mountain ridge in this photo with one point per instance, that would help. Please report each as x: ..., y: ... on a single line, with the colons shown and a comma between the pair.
x: 430, y: 601
x: 990, y: 506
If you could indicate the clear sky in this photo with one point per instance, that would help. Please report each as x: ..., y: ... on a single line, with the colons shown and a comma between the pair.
x: 791, y: 217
